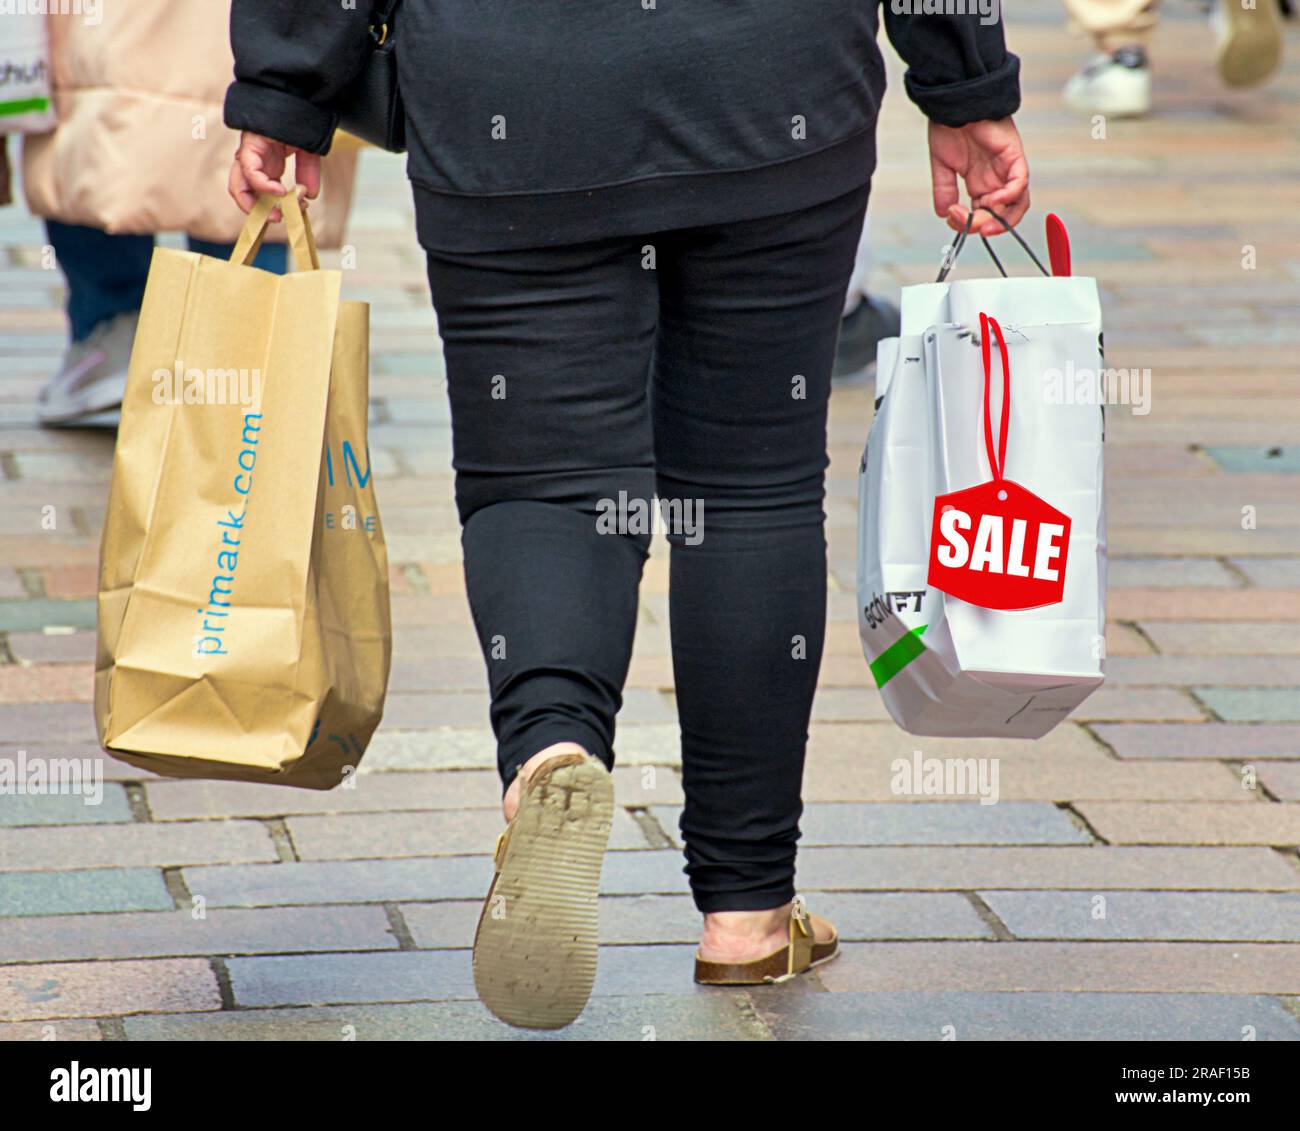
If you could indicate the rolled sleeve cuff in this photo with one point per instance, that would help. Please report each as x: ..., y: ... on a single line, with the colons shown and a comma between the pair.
x: 279, y: 115
x: 995, y: 95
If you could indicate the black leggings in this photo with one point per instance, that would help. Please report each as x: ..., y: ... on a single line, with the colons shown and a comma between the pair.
x: 585, y: 380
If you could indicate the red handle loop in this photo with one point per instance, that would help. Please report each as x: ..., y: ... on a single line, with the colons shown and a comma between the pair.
x: 998, y: 462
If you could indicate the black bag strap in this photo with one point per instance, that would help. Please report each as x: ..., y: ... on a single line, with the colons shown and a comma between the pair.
x: 381, y: 18
x: 950, y: 260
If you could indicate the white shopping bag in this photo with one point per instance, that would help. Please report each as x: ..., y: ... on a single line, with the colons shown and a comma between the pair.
x: 25, y: 103
x: 952, y: 666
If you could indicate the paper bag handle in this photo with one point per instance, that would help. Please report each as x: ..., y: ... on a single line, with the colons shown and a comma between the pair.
x: 296, y: 224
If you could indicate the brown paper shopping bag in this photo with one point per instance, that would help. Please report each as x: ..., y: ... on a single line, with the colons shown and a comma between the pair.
x: 244, y: 627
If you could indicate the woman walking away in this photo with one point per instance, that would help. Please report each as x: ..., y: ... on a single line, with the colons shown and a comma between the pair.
x: 640, y: 223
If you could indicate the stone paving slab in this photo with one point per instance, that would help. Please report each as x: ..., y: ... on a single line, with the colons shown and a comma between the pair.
x: 1267, y: 608
x: 1283, y: 573
x: 1144, y: 573
x: 1194, y: 822
x: 848, y: 704
x: 1278, y: 460
x: 1253, y: 704
x: 127, y: 846
x: 1172, y: 916
x: 24, y: 810
x: 1134, y: 704
x: 52, y: 647
x: 1025, y: 1017
x: 859, y: 744
x: 1080, y: 967
x: 1047, y: 778
x: 28, y: 614
x: 71, y: 893
x: 1185, y: 671
x: 445, y: 748
x: 1281, y: 779
x: 1222, y: 638
x: 179, y: 933
x: 1222, y: 741
x: 56, y: 683
x: 30, y: 724
x: 106, y: 989
x: 723, y: 1016
x: 1093, y: 868
x: 336, y: 979
x: 63, y: 1030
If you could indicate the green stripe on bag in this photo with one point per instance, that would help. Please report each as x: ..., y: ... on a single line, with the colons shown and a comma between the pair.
x: 23, y: 106
x: 897, y: 656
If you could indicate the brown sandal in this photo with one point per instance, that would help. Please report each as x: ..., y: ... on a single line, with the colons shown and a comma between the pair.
x: 535, y: 947
x: 802, y: 953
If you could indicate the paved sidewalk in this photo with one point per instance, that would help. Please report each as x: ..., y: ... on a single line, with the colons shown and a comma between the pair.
x: 1139, y: 878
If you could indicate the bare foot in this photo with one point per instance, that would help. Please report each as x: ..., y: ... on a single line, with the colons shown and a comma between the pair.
x: 510, y: 803
x: 743, y: 936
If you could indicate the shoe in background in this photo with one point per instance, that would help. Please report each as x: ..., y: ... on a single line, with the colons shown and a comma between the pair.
x: 872, y: 320
x: 1118, y: 85
x: 88, y: 388
x: 1248, y: 46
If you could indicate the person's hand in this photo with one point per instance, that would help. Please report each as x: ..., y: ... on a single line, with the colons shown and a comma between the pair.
x: 988, y: 156
x: 259, y: 167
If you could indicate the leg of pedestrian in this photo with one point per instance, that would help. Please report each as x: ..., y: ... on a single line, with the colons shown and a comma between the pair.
x: 548, y: 353
x: 750, y: 314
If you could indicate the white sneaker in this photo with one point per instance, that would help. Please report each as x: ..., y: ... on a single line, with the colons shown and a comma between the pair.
x: 89, y: 386
x: 1118, y: 85
x: 1249, y: 46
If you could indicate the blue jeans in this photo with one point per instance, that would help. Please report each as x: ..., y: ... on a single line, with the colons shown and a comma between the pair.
x: 106, y: 274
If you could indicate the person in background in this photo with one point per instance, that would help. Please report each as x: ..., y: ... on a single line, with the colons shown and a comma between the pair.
x: 1117, y: 80
x: 139, y: 149
x: 867, y: 319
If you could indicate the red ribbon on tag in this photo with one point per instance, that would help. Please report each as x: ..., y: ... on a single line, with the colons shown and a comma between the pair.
x: 998, y: 545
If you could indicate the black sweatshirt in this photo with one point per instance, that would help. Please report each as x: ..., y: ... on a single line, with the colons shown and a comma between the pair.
x: 537, y: 122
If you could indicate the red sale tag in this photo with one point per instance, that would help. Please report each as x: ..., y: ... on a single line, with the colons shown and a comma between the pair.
x: 998, y: 545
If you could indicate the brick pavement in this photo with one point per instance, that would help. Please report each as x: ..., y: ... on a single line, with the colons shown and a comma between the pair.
x: 1139, y: 876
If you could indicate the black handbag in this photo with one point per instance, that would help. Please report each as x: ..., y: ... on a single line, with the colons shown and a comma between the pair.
x: 373, y: 109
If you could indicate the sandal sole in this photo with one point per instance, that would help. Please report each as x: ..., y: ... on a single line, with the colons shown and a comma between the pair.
x: 535, y: 948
